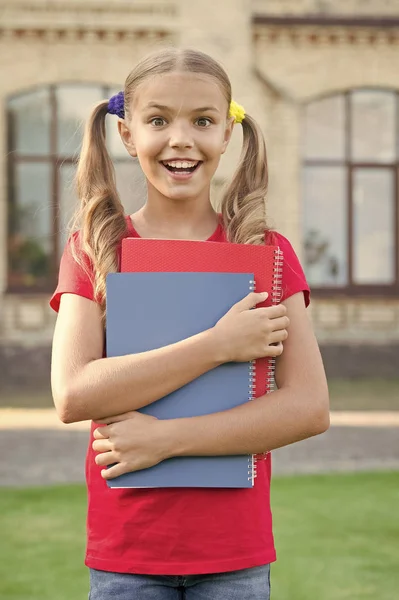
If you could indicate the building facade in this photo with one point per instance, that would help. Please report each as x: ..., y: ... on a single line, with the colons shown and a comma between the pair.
x: 322, y: 79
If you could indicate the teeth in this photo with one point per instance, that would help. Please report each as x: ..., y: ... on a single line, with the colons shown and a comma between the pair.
x: 177, y: 164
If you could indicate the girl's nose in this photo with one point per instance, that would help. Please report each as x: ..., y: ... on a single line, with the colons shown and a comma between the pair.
x: 180, y: 136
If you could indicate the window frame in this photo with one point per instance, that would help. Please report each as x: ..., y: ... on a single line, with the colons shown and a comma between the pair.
x: 350, y: 166
x: 55, y: 160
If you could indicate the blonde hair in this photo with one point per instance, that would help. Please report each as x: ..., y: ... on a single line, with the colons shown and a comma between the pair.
x: 100, y: 216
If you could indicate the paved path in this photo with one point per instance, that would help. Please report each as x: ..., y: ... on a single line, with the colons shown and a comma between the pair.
x: 46, y: 418
x: 38, y: 450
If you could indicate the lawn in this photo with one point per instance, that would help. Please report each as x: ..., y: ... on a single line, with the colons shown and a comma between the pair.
x: 336, y: 536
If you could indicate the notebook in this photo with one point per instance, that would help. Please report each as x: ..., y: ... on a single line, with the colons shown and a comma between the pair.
x: 265, y: 261
x: 147, y: 310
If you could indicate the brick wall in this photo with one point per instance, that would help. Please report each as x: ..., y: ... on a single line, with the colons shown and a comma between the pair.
x: 274, y: 69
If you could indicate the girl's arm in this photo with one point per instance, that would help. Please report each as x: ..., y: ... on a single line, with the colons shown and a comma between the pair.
x: 297, y: 410
x: 87, y: 386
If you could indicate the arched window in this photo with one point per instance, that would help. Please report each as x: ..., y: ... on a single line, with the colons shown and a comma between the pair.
x: 350, y: 192
x: 45, y: 128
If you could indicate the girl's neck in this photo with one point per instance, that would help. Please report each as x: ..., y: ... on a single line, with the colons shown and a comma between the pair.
x: 176, y: 222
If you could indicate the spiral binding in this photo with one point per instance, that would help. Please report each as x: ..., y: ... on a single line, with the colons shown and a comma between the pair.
x: 275, y: 298
x: 252, y: 466
x: 251, y: 396
x: 277, y: 276
x: 276, y: 294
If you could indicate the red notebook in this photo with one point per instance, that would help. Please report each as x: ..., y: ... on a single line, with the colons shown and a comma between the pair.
x: 265, y: 262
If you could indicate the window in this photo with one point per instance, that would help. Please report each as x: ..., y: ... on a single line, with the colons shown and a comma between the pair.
x: 45, y: 129
x: 349, y: 188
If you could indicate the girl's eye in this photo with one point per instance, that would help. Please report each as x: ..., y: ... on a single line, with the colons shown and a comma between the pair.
x: 158, y: 121
x: 204, y: 122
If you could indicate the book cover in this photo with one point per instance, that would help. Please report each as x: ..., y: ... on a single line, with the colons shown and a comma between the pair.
x: 148, y: 310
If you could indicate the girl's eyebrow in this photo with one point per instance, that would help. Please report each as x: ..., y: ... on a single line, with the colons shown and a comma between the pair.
x: 155, y: 105
x: 163, y: 107
x: 206, y: 108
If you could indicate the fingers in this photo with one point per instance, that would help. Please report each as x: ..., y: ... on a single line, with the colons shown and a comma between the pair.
x: 250, y: 301
x: 274, y: 351
x: 117, y: 418
x: 105, y: 458
x: 279, y: 323
x: 279, y: 336
x: 254, y: 298
x: 102, y: 445
x: 268, y: 326
x: 101, y: 433
x: 273, y: 312
x: 114, y: 471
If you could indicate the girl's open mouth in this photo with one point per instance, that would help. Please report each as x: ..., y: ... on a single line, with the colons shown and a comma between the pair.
x: 181, y: 169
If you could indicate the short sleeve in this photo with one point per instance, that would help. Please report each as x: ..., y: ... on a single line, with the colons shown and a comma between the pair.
x: 293, y: 277
x: 72, y: 277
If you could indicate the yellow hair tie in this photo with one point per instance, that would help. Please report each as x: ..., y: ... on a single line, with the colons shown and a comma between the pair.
x: 237, y: 111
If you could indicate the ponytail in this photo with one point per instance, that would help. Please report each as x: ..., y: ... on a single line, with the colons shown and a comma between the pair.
x: 100, y: 215
x: 243, y: 204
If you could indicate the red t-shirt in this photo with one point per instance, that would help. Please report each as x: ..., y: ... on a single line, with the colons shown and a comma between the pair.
x: 178, y: 531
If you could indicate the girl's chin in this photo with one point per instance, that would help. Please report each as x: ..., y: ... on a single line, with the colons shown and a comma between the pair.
x: 179, y: 190
x: 180, y: 195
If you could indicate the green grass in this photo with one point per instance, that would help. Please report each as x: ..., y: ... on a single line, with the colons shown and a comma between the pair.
x: 336, y: 537
x: 42, y: 543
x: 345, y: 394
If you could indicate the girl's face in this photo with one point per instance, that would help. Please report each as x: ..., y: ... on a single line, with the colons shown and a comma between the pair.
x: 179, y: 129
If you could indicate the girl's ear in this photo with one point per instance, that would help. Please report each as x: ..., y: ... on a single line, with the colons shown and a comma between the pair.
x: 127, y: 138
x: 227, y: 133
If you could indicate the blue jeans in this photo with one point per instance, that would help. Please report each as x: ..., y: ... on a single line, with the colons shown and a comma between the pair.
x: 246, y: 584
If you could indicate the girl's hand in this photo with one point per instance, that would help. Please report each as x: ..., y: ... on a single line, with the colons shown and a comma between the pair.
x: 244, y: 334
x: 130, y: 442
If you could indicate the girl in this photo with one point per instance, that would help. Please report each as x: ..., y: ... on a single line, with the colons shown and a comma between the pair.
x: 176, y: 117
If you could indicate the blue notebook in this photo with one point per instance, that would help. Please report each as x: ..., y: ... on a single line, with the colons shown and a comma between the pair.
x: 152, y: 310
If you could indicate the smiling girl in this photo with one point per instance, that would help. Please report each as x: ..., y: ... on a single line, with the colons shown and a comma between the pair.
x: 176, y: 116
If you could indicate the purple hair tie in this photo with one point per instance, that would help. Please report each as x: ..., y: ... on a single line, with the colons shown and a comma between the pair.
x: 116, y: 105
